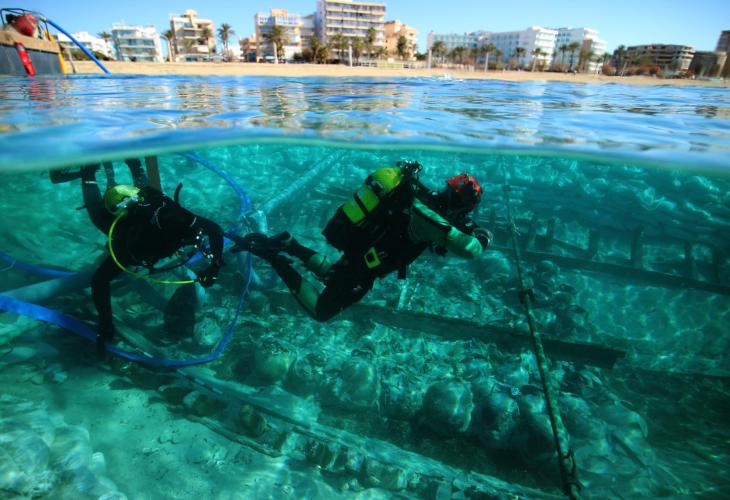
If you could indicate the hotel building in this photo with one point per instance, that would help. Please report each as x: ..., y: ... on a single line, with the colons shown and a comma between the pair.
x: 529, y: 39
x: 194, y: 38
x: 588, y: 42
x: 452, y: 40
x: 136, y: 43
x: 393, y: 31
x: 90, y: 42
x: 291, y: 24
x: 668, y: 57
x: 351, y: 19
x: 723, y: 51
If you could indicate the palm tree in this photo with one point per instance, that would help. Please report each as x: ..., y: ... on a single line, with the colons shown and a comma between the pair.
x: 169, y: 37
x: 370, y: 40
x: 572, y: 47
x: 358, y: 45
x: 188, y: 45
x: 316, y: 45
x: 402, y: 47
x: 563, y: 49
x: 619, y: 55
x: 518, y: 54
x: 438, y: 49
x: 225, y: 32
x: 277, y: 37
x: 535, y: 55
x: 457, y: 53
x: 339, y: 43
x: 487, y: 50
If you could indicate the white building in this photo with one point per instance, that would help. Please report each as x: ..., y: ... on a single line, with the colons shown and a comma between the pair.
x: 136, y: 43
x: 534, y: 37
x: 291, y: 25
x: 587, y: 41
x: 452, y: 40
x: 194, y: 37
x: 350, y: 18
x: 90, y: 42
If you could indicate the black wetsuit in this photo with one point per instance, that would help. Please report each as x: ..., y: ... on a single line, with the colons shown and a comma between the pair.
x: 151, y: 230
x: 349, y: 279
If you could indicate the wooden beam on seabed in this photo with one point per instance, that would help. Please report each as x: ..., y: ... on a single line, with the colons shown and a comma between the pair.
x: 459, y: 329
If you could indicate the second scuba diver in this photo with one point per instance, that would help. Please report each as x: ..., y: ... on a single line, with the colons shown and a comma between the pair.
x: 387, y: 225
x: 143, y: 226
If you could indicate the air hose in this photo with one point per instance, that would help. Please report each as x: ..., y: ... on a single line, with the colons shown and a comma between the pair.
x: 78, y: 44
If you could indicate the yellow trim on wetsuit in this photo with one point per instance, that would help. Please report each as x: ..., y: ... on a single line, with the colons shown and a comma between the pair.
x: 137, y: 275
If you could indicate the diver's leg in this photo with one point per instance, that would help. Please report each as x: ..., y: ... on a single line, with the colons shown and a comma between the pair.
x: 343, y: 289
x: 139, y: 177
x: 93, y: 200
x: 313, y: 261
x: 109, y: 172
x: 102, y: 294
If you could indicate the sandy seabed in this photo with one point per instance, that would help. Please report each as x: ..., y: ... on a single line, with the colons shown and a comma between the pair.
x: 336, y: 70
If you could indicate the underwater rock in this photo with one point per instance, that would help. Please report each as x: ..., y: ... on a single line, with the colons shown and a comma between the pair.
x: 203, y: 405
x: 306, y: 375
x: 207, y: 332
x: 250, y: 421
x: 272, y: 359
x: 41, y: 456
x: 358, y: 386
x: 379, y: 475
x: 496, y: 267
x: 447, y: 407
x: 402, y: 396
x: 258, y: 304
x: 495, y: 415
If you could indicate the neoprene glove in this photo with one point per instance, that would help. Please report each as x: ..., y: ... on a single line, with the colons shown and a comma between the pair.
x: 207, y: 277
x: 483, y: 236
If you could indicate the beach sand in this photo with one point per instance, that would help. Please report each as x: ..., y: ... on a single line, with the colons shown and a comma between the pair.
x: 336, y: 70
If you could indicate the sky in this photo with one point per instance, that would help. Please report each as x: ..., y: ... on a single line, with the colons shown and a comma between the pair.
x: 628, y: 22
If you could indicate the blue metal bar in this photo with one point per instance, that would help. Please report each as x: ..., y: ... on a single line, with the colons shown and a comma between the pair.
x: 84, y: 49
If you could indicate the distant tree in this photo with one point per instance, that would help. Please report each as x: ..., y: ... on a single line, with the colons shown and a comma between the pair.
x: 572, y: 47
x: 585, y: 56
x: 277, y: 37
x: 188, y: 45
x: 438, y: 50
x: 338, y: 42
x: 563, y: 49
x: 169, y: 37
x: 457, y: 54
x: 316, y: 45
x: 498, y: 58
x: 370, y: 38
x: 380, y: 52
x: 322, y: 54
x: 619, y: 57
x: 488, y: 50
x: 225, y: 32
x: 535, y: 56
x: 104, y: 35
x: 519, y: 54
x: 358, y: 46
x: 402, y: 47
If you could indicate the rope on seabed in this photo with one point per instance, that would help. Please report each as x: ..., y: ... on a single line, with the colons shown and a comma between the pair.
x: 566, y: 458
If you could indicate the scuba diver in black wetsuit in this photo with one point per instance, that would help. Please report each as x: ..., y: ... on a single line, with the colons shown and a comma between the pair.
x: 143, y: 226
x: 387, y: 224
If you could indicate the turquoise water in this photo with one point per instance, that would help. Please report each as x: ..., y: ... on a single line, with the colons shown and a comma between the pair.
x: 426, y: 389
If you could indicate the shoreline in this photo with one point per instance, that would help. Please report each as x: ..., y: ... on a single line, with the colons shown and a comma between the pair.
x: 336, y: 70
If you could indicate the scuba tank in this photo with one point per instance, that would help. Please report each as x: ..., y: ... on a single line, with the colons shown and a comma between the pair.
x: 379, y: 204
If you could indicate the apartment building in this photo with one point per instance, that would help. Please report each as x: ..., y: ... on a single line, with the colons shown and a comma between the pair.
x: 307, y: 30
x: 393, y: 31
x: 351, y: 19
x: 292, y: 27
x: 706, y: 63
x: 194, y: 37
x: 723, y: 51
x: 588, y: 42
x: 668, y: 57
x: 90, y: 42
x: 534, y: 37
x: 452, y: 40
x: 136, y: 43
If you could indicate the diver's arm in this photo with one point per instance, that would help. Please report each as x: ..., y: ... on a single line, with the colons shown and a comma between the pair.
x: 427, y: 225
x: 102, y: 295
